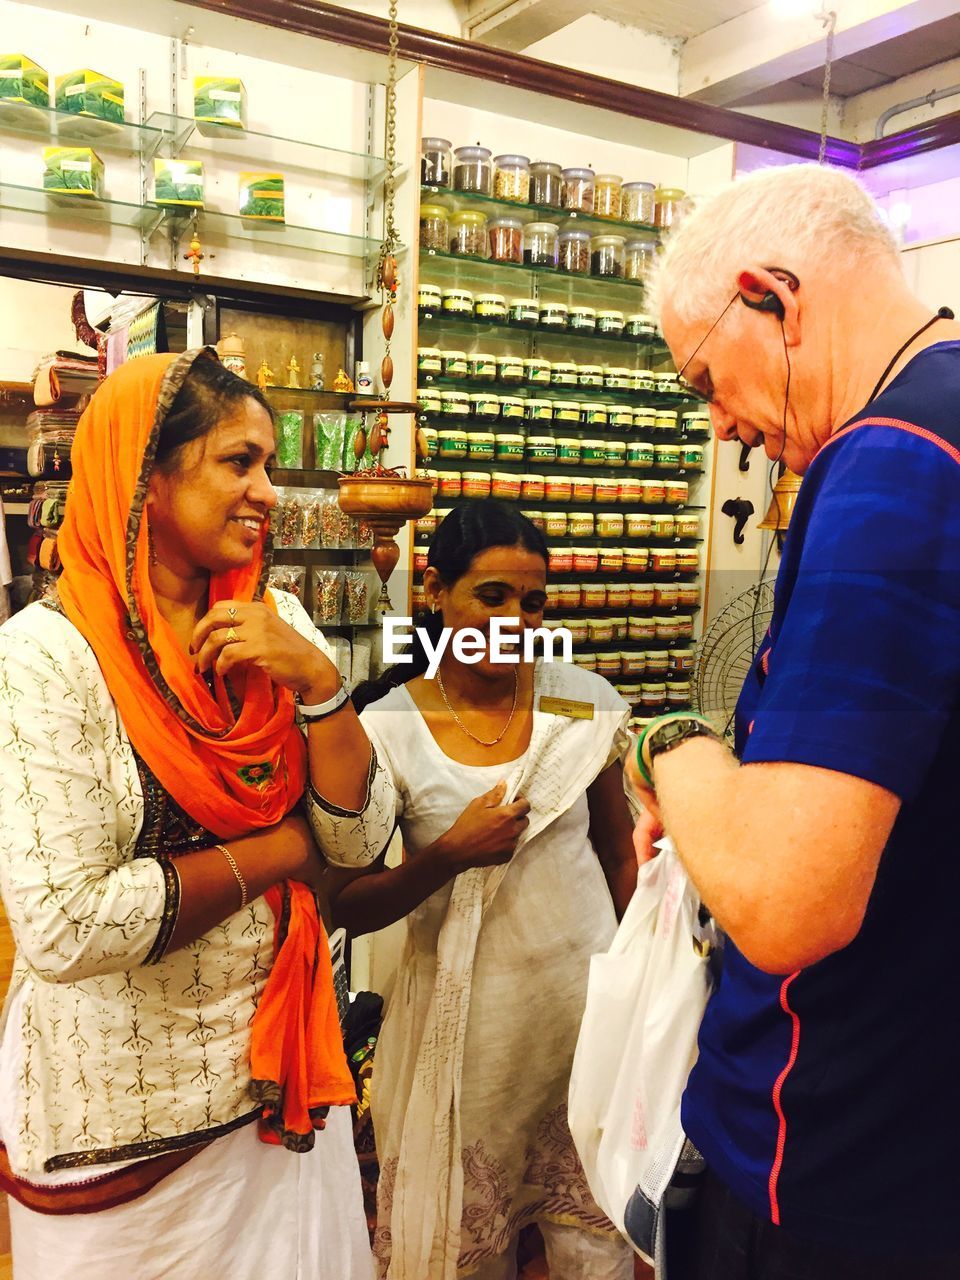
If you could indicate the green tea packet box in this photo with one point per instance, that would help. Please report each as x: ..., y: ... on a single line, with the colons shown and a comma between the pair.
x: 22, y: 82
x: 261, y: 197
x: 178, y: 182
x: 72, y: 173
x: 88, y: 93
x: 219, y: 104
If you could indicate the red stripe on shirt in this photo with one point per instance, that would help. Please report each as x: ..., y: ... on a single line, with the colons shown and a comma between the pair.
x: 950, y: 450
x: 777, y: 1091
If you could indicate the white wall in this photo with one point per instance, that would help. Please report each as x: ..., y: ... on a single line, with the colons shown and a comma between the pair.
x: 609, y: 49
x: 34, y: 320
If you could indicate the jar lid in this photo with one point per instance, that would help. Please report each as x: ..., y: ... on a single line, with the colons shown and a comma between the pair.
x: 510, y: 359
x: 474, y: 475
x: 553, y: 306
x: 518, y: 162
x: 434, y: 211
x: 670, y: 193
x: 512, y: 224
x: 590, y: 368
x: 472, y: 153
x: 505, y: 475
x: 615, y: 371
x: 648, y: 242
x: 429, y: 288
x: 574, y: 233
x: 591, y: 406
x: 508, y: 437
x: 470, y: 218
x: 578, y: 173
x: 454, y: 395
x: 428, y: 351
x: 610, y: 177
x: 535, y: 361
x: 610, y: 315
x: 458, y: 293
x: 593, y: 444
x: 512, y: 400
x: 583, y: 311
x: 477, y: 356
x: 539, y: 403
x: 453, y: 355
x: 435, y: 144
x: 639, y: 186
x: 640, y: 317
x: 491, y: 297
x: 609, y: 240
x: 524, y: 302
x: 542, y: 227
x: 546, y: 166
x: 563, y: 365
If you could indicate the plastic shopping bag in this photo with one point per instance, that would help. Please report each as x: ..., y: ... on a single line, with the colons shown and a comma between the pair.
x: 638, y: 1042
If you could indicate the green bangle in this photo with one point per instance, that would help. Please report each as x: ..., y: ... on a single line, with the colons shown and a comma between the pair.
x: 658, y: 720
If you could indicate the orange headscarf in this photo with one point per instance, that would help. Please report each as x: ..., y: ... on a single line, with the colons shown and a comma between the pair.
x: 233, y: 773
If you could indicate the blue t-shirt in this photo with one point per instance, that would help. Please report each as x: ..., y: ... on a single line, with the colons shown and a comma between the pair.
x: 829, y: 1100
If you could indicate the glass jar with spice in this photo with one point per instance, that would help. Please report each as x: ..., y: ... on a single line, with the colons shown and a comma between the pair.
x: 491, y: 306
x: 540, y: 244
x: 578, y: 190
x: 667, y: 206
x: 546, y: 184
x: 511, y: 178
x: 457, y: 302
x: 435, y: 162
x: 608, y: 195
x: 434, y: 228
x: 641, y: 251
x: 574, y: 251
x: 582, y: 319
x: 607, y: 256
x: 639, y: 202
x: 482, y: 366
x: 468, y: 234
x: 554, y: 315
x: 506, y: 240
x: 523, y: 313
x: 473, y: 170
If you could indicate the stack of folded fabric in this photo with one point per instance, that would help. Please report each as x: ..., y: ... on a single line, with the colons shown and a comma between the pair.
x: 64, y: 374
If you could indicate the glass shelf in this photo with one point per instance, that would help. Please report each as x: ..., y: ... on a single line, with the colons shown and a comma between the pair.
x: 230, y: 226
x: 79, y: 208
x: 312, y: 156
x: 66, y: 128
x: 573, y: 505
x: 495, y: 207
x: 479, y: 328
x: 531, y: 391
x: 457, y: 269
x: 315, y: 397
x: 580, y: 471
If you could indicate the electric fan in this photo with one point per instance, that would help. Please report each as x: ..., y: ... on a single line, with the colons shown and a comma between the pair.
x: 727, y: 651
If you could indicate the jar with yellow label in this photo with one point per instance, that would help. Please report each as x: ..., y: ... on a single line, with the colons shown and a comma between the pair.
x: 691, y: 457
x: 608, y: 663
x: 663, y: 560
x: 452, y: 444
x: 665, y: 595
x: 429, y: 298
x: 641, y: 595
x: 541, y: 449
x: 583, y: 489
x: 555, y: 522
x: 505, y: 486
x: 688, y: 525
x: 590, y: 375
x: 599, y: 631
x: 454, y: 364
x: 568, y: 450
x: 512, y: 408
x: 476, y: 484
x: 631, y: 490
x: 569, y: 595
x: 593, y: 595
x: 689, y: 595
x: 580, y: 524
x: 641, y: 629
x: 666, y: 456
x: 666, y: 420
x: 696, y: 422
x: 491, y: 306
x: 454, y: 404
x: 524, y: 313
x: 561, y: 560
x: 431, y: 440
x: 537, y: 372
x: 510, y: 368
x: 558, y: 489
x: 654, y: 493
x: 593, y: 453
x: 508, y: 448
x: 663, y: 526
x: 563, y: 374
x: 610, y: 525
x: 644, y: 420
x: 480, y: 446
x: 605, y: 490
x: 621, y: 415
x: 428, y: 400
x: 653, y: 695
x: 554, y: 315
x: 657, y: 661
x: 685, y: 626
x: 451, y: 484
x: 577, y: 628
x: 678, y: 491
x: 639, y: 455
x: 636, y: 559
x: 585, y: 559
x: 457, y: 302
x: 594, y: 415
x: 639, y: 524
x: 539, y: 411
x: 482, y: 367
x: 611, y: 561
x: 532, y: 489
x: 616, y: 453
x: 688, y: 559
x: 566, y: 411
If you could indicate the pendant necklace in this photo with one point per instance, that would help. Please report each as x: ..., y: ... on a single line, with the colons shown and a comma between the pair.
x: 461, y: 725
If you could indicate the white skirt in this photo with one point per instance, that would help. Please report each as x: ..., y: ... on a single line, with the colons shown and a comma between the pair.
x: 240, y: 1210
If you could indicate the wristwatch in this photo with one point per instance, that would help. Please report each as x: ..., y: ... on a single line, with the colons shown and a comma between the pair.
x: 669, y: 732
x: 320, y: 710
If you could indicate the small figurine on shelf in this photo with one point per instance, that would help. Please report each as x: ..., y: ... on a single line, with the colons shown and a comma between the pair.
x: 316, y: 371
x: 232, y: 354
x: 194, y: 254
x: 265, y: 376
x: 342, y: 384
x: 293, y: 373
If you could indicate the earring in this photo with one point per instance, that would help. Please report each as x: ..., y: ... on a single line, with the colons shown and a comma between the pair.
x: 151, y: 549
x: 433, y: 607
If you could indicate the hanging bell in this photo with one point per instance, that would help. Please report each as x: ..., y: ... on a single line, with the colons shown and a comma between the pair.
x: 782, y: 503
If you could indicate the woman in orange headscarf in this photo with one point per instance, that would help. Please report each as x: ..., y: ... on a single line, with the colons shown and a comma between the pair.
x: 172, y: 981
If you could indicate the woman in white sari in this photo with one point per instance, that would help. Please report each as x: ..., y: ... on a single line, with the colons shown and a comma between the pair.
x: 505, y: 904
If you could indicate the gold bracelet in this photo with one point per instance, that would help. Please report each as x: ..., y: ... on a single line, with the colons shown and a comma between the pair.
x: 236, y: 871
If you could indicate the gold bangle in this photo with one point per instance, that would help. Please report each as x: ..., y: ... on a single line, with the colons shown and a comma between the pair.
x: 236, y: 871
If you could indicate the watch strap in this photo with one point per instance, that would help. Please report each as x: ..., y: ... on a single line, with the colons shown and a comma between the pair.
x: 651, y: 742
x: 320, y: 710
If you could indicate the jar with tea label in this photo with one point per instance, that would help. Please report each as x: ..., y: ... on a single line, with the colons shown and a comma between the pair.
x: 568, y: 449
x: 608, y: 195
x: 563, y: 374
x: 512, y: 407
x: 536, y: 371
x: 506, y: 240
x: 491, y: 306
x: 542, y: 448
x: 482, y: 367
x: 435, y: 162
x: 468, y: 234
x: 480, y: 443
x: 639, y: 455
x: 638, y: 202
x: 546, y: 184
x: 616, y: 453
x: 592, y: 453
x: 640, y: 325
x: 583, y: 319
x: 486, y: 408
x: 434, y: 228
x: 532, y: 488
x: 511, y: 178
x: 539, y: 411
x: 540, y: 244
x: 454, y: 364
x: 452, y: 443
x: 457, y: 302
x: 428, y: 400
x: 508, y: 448
x: 475, y: 484
x: 590, y: 375
x: 641, y: 252
x: 554, y: 315
x: 691, y: 457
x: 473, y: 170
x: 607, y: 256
x: 578, y: 190
x: 610, y: 323
x: 524, y: 313
x: 429, y: 298
x: 666, y: 456
x: 510, y: 368
x: 574, y: 251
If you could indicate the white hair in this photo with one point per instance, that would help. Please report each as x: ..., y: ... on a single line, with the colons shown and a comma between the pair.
x: 783, y: 216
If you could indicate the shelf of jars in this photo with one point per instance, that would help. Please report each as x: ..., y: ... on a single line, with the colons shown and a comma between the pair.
x: 582, y: 334
x: 454, y: 269
x: 496, y: 208
x: 67, y: 128
x: 646, y: 399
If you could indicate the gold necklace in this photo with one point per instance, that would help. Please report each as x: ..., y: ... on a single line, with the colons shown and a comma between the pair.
x: 461, y: 725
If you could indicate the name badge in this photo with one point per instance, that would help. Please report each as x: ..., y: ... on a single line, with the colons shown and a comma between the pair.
x: 567, y: 707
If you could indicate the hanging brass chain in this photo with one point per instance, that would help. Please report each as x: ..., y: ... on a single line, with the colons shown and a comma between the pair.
x: 829, y: 20
x: 391, y: 239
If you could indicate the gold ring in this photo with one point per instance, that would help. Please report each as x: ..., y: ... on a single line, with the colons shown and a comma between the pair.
x: 231, y: 613
x: 231, y: 637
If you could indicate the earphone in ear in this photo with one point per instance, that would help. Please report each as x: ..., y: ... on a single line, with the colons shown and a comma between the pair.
x: 769, y: 300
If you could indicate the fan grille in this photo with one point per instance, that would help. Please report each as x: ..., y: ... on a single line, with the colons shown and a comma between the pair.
x: 727, y: 652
